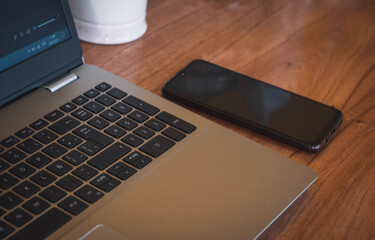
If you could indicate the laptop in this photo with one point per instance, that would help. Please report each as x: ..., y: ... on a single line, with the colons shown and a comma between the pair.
x: 85, y: 154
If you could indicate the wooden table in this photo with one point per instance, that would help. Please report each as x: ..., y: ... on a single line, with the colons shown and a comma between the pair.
x: 322, y: 49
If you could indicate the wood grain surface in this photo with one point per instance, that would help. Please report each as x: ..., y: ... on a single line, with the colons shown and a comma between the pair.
x: 322, y: 49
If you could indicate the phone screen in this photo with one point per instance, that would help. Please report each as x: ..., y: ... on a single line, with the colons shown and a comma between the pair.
x: 253, y: 102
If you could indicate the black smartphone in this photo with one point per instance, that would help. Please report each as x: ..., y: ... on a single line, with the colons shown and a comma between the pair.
x: 273, y: 111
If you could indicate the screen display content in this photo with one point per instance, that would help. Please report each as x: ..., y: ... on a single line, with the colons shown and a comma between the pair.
x: 28, y: 29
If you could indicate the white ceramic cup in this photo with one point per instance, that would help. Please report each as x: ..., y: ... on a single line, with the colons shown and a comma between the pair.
x: 109, y: 21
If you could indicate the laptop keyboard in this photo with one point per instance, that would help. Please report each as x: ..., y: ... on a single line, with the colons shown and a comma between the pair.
x: 55, y: 168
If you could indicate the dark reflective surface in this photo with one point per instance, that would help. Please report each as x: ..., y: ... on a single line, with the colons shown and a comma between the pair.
x: 253, y: 102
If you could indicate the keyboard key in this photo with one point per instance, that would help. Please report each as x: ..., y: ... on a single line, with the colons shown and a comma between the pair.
x: 24, y: 133
x: 39, y: 124
x: 22, y: 170
x: 85, y: 172
x: 54, y: 150
x: 110, y: 115
x: 105, y: 100
x: 141, y: 162
x: 59, y: 167
x: 43, y: 178
x: 70, y: 141
x: 121, y: 108
x: 109, y: 185
x: 98, y: 122
x: 94, y: 107
x: 90, y: 148
x: 75, y: 157
x: 155, y: 124
x: 18, y: 217
x: 127, y: 124
x: 3, y: 165
x: 82, y: 114
x: 116, y: 93
x: 64, y: 125
x: 109, y: 156
x: 176, y: 122
x: 156, y: 146
x: 126, y: 173
x: 69, y: 183
x: 93, y: 135
x: 103, y: 87
x: 80, y: 100
x: 115, y: 131
x: 43, y: 226
x: 26, y: 189
x: 9, y: 200
x: 68, y: 107
x: 91, y: 93
x: 13, y: 155
x: 9, y: 141
x: 36, y: 205
x: 138, y: 116
x: 29, y: 146
x: 45, y: 136
x: 89, y: 194
x: 132, y: 157
x: 5, y: 230
x: 7, y: 181
x: 132, y: 140
x: 54, y: 115
x: 174, y: 134
x: 73, y: 205
x: 53, y: 194
x: 38, y: 160
x: 101, y: 179
x: 144, y: 132
x: 116, y: 168
x: 141, y: 105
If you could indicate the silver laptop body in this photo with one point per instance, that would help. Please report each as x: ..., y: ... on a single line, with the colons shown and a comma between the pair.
x: 212, y: 184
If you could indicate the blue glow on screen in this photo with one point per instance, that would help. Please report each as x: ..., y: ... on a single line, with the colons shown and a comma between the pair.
x: 34, y: 48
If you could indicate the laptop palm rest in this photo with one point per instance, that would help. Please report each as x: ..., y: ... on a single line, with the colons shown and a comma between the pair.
x: 101, y: 232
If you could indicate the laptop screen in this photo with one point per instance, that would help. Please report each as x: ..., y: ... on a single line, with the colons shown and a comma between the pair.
x: 28, y: 31
x: 38, y: 42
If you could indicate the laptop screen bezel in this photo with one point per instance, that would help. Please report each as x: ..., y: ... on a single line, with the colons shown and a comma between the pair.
x: 42, y: 68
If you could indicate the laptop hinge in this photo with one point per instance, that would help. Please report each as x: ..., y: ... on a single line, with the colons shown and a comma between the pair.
x: 61, y: 82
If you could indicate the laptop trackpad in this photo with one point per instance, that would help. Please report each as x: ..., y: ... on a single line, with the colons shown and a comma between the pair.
x: 100, y: 232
